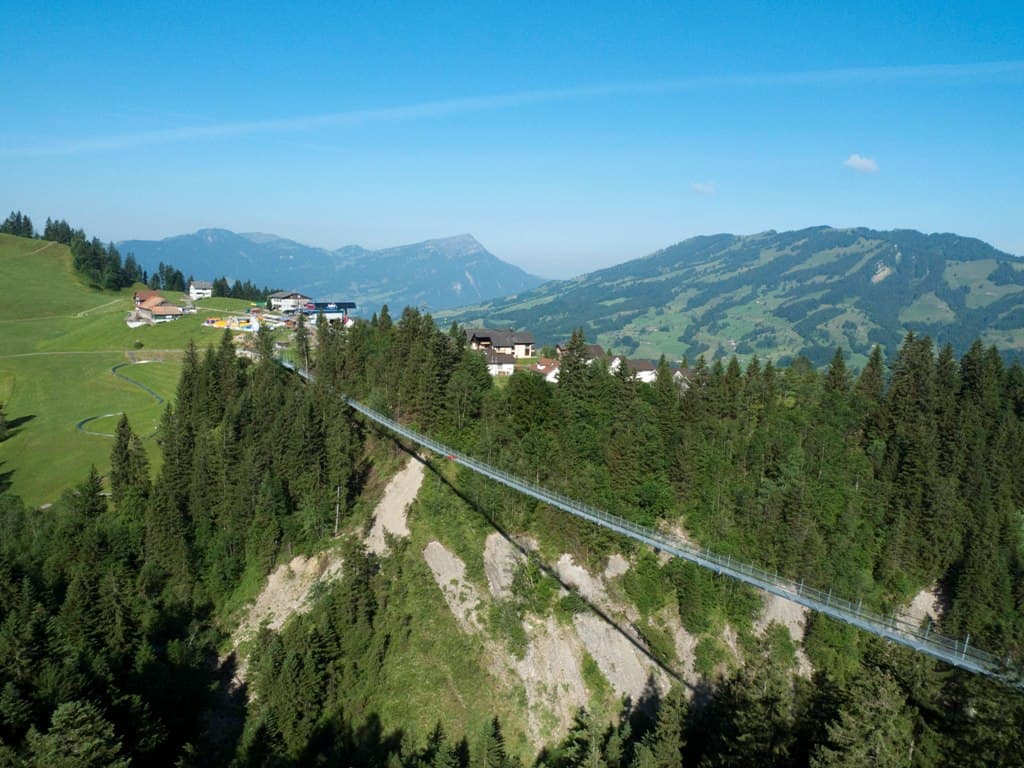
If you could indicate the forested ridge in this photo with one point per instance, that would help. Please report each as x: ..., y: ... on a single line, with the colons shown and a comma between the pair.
x: 112, y: 613
x: 782, y: 294
x: 102, y: 266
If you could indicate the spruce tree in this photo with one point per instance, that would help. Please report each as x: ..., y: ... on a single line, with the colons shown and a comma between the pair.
x: 79, y: 737
x: 663, y: 747
x: 573, y: 366
x: 120, y: 460
x: 873, y: 728
x: 837, y: 378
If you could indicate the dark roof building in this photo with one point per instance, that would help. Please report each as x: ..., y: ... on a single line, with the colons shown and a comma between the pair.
x: 510, y: 342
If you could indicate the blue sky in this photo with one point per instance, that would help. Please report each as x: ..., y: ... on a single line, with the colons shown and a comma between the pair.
x: 564, y: 138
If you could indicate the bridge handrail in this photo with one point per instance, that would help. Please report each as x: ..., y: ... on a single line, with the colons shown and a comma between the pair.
x: 893, y: 627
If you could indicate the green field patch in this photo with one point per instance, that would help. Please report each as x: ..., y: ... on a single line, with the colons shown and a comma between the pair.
x: 102, y: 426
x: 1004, y: 340
x: 973, y: 275
x: 928, y: 308
x: 820, y: 259
x: 45, y: 283
x: 59, y: 341
x: 224, y: 304
x: 968, y: 274
x: 849, y: 328
x: 6, y: 385
x: 985, y: 293
x: 52, y: 394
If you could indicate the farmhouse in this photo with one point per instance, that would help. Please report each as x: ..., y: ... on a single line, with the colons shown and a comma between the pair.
x: 200, y: 289
x: 519, y: 344
x: 287, y: 301
x: 157, y: 309
x: 143, y: 296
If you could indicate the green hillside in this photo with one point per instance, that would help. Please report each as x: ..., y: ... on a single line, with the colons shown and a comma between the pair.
x: 59, y: 340
x: 779, y: 294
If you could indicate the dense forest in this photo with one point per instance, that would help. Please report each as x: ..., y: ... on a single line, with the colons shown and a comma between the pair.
x: 904, y: 476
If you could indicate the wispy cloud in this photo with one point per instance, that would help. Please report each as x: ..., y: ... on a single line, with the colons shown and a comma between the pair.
x: 443, y: 108
x: 706, y: 188
x: 861, y: 164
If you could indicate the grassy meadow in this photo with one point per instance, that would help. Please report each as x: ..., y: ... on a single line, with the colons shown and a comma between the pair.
x: 59, y: 340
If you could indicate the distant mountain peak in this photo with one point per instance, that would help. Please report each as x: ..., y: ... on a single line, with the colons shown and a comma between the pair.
x: 439, y: 273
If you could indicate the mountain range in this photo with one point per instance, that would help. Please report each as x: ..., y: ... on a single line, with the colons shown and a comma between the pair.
x: 779, y: 294
x: 435, y: 274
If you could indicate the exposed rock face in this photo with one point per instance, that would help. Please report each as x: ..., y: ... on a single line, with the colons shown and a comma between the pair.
x: 794, y: 618
x: 501, y: 560
x: 551, y: 674
x: 625, y: 666
x: 926, y: 606
x: 450, y: 574
x: 285, y: 594
x: 617, y: 566
x: 390, y: 516
x: 550, y: 670
x: 287, y: 591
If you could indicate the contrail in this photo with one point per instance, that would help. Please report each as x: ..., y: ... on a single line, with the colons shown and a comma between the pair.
x: 447, y: 107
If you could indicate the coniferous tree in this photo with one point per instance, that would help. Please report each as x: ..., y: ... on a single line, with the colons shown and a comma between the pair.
x: 573, y: 366
x: 87, y: 502
x: 870, y: 389
x: 302, y: 342
x: 129, y: 465
x: 663, y: 747
x: 756, y: 723
x: 18, y: 224
x: 384, y: 322
x: 872, y: 728
x: 79, y: 737
x: 837, y: 378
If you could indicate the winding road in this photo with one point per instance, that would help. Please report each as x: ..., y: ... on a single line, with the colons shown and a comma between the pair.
x: 80, y: 426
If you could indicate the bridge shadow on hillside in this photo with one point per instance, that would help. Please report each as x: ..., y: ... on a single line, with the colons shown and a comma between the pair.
x: 650, y: 700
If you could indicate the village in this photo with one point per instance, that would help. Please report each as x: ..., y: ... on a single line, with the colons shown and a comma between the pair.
x: 281, y: 311
x: 504, y: 351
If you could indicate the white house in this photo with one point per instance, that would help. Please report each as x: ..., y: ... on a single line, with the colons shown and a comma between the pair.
x: 547, y: 368
x: 287, y: 301
x: 200, y: 289
x: 642, y: 370
x: 499, y: 364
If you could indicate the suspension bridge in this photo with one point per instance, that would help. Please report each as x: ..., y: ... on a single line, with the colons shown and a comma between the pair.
x: 956, y: 652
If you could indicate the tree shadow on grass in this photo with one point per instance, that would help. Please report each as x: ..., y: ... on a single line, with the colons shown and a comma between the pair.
x: 13, y: 426
x: 5, y: 479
